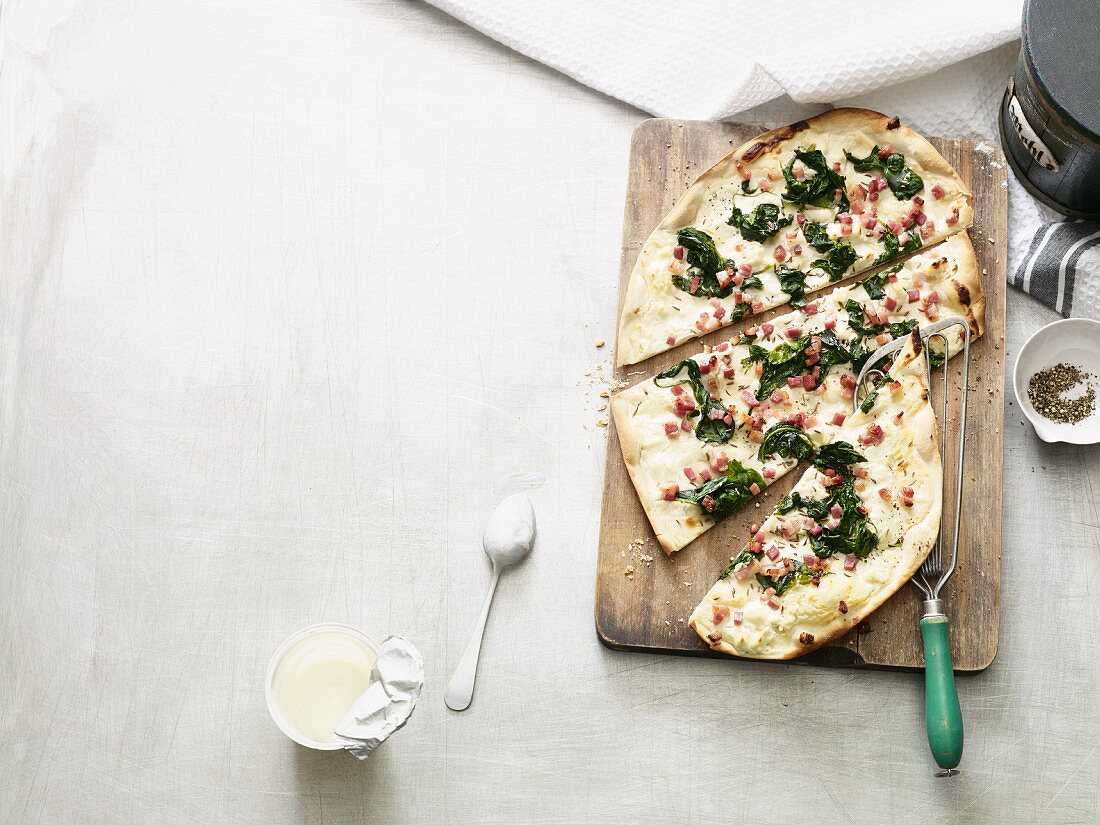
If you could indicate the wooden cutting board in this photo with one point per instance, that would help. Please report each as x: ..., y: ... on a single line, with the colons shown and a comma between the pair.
x: 644, y: 598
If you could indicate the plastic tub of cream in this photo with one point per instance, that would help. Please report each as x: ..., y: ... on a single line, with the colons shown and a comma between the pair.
x: 314, y: 678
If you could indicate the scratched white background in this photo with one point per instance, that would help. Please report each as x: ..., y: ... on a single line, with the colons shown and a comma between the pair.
x: 286, y: 286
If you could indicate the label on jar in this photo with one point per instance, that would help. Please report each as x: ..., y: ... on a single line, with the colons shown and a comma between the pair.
x: 1035, y: 147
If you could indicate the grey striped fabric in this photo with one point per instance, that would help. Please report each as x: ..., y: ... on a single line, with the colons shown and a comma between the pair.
x: 1062, y: 268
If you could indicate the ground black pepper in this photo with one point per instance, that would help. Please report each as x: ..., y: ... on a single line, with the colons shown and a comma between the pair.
x: 1047, y: 391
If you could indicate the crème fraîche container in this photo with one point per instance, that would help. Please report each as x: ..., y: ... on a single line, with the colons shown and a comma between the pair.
x: 314, y: 678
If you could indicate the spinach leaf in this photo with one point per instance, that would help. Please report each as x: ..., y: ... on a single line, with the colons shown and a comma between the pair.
x: 818, y: 189
x: 724, y: 494
x: 752, y: 282
x: 746, y: 188
x: 875, y: 285
x: 800, y: 574
x: 868, y: 402
x: 853, y: 533
x: 700, y: 250
x: 857, y: 321
x: 704, y: 263
x: 817, y: 236
x: 785, y: 361
x: 744, y: 557
x: 710, y: 426
x: 902, y: 180
x: 839, y: 255
x: 837, y: 261
x: 760, y: 224
x: 832, y: 352
x: 793, y: 282
x: 892, y: 249
x: 789, y: 360
x: 838, y: 456
x: 936, y: 358
x: 787, y: 440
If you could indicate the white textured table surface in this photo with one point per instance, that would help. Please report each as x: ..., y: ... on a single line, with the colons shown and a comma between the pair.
x: 286, y: 287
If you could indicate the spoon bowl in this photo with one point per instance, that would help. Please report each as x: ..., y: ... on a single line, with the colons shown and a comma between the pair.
x: 510, y: 532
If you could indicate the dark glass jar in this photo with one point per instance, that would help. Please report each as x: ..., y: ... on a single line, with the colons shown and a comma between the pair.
x: 1050, y: 115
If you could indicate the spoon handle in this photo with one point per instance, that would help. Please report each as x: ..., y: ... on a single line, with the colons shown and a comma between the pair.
x: 460, y: 691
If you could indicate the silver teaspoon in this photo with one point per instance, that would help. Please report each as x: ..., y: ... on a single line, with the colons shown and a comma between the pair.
x: 508, y: 538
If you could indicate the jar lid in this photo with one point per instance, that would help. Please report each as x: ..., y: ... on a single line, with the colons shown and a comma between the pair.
x: 1060, y: 39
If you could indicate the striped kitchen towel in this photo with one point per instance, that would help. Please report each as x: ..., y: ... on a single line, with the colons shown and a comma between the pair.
x: 1062, y: 268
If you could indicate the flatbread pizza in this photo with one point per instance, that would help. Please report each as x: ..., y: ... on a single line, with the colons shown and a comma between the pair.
x: 697, y: 438
x: 790, y: 212
x: 852, y: 531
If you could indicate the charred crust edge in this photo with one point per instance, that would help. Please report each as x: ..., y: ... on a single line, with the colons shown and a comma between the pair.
x: 775, y: 138
x: 963, y: 292
x: 918, y: 344
x: 893, y: 123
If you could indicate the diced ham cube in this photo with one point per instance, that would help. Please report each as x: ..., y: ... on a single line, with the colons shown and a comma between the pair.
x: 850, y: 562
x: 754, y: 488
x: 672, y: 428
x: 719, y: 613
x: 938, y: 192
x: 767, y: 329
x: 692, y: 476
x: 888, y: 302
x: 678, y: 252
x: 669, y: 491
x: 838, y: 418
x: 913, y: 295
x: 772, y: 552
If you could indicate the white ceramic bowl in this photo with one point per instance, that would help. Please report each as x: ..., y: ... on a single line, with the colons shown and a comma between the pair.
x: 269, y: 680
x: 1072, y: 341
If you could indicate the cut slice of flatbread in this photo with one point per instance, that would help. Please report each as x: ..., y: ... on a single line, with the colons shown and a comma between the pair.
x: 788, y: 213
x: 853, y: 530
x: 698, y: 430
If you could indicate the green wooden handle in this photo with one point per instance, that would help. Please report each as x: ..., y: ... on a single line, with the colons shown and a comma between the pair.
x: 942, y: 715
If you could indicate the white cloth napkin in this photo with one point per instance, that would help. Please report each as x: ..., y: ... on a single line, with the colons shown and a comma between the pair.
x: 711, y: 59
x: 943, y: 68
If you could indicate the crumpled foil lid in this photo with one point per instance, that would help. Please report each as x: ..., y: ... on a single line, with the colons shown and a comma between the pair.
x: 388, y: 701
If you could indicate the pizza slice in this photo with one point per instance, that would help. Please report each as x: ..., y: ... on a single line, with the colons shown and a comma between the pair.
x: 852, y: 531
x: 700, y: 439
x: 792, y: 211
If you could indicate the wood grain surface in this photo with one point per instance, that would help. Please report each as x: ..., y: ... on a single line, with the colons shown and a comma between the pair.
x: 643, y: 598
